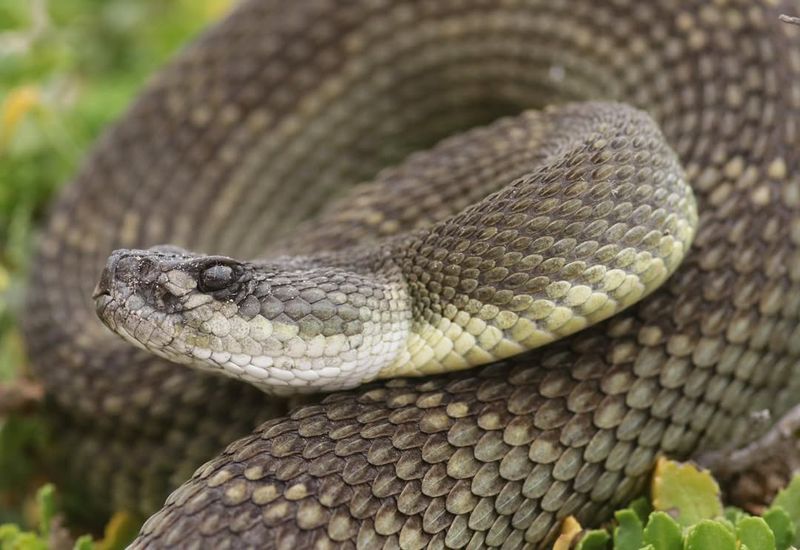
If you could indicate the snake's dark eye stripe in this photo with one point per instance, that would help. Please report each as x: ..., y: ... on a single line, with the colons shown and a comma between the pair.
x: 216, y: 278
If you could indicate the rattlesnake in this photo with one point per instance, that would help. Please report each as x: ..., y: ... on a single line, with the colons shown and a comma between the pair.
x: 245, y: 146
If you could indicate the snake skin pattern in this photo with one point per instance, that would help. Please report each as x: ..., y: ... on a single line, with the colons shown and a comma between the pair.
x: 259, y: 124
x: 600, y: 221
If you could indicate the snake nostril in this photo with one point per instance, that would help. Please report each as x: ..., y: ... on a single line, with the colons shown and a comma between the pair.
x: 106, y: 277
x: 125, y: 267
x: 103, y: 287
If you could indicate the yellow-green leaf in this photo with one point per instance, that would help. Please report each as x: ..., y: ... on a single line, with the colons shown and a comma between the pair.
x: 663, y: 532
x: 709, y: 535
x: 755, y: 534
x: 628, y: 533
x: 685, y: 492
x: 789, y: 500
x: 45, y: 500
x: 781, y: 525
x: 84, y: 543
x: 120, y: 531
x: 596, y: 539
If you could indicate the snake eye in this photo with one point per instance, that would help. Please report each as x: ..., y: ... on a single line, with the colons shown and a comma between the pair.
x: 216, y: 278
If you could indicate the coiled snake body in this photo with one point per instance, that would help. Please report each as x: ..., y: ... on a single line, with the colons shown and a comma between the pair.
x: 243, y: 147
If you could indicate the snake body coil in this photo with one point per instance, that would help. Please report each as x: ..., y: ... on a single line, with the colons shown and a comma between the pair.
x: 241, y: 147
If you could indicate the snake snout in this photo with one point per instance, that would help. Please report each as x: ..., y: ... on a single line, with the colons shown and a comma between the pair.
x: 103, y: 287
x: 129, y: 267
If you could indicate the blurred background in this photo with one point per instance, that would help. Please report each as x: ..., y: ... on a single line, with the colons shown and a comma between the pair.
x: 67, y: 68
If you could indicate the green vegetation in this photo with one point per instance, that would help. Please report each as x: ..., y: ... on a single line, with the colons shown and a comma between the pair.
x: 685, y: 512
x: 50, y: 532
x: 67, y: 68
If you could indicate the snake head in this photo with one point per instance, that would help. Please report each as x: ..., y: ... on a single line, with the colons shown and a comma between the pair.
x: 286, y: 326
x: 168, y: 300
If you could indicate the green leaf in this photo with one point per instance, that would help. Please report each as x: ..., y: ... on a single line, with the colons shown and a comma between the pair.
x: 685, y: 492
x: 8, y: 532
x: 123, y: 527
x: 663, y: 532
x: 642, y: 507
x: 84, y: 543
x: 781, y: 525
x: 755, y: 533
x: 596, y: 539
x: 20, y: 441
x: 727, y: 524
x: 45, y: 498
x: 628, y: 534
x: 709, y: 535
x: 24, y: 541
x: 789, y: 500
x: 734, y: 514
